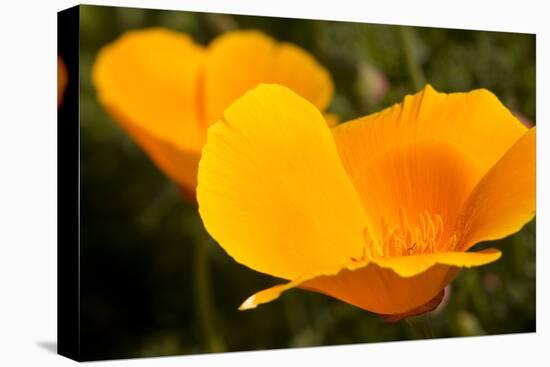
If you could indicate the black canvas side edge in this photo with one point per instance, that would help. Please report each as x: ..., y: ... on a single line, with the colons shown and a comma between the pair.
x: 68, y: 189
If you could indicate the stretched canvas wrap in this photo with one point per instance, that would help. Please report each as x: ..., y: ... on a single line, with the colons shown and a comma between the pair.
x: 236, y: 183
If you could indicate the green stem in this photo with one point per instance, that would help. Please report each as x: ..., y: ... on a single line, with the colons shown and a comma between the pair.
x: 408, y: 41
x: 204, y: 311
x: 420, y: 327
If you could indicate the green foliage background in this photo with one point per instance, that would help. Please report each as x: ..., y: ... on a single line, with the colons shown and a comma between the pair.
x: 153, y: 283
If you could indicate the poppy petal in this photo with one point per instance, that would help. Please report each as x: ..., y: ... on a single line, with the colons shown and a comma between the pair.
x: 378, y: 287
x: 149, y: 78
x: 296, y: 69
x: 409, y: 266
x: 505, y: 199
x: 180, y: 165
x: 466, y: 120
x: 238, y: 61
x: 425, y: 154
x: 304, y: 216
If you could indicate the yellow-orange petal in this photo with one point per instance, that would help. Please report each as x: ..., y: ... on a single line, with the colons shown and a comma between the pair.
x: 425, y: 154
x: 178, y: 164
x: 466, y: 120
x: 298, y: 70
x: 238, y: 61
x: 378, y: 286
x: 505, y: 199
x: 272, y: 190
x: 271, y: 294
x: 150, y: 79
x: 409, y: 266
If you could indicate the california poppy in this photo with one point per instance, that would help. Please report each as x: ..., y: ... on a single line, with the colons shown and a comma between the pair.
x: 165, y: 90
x: 381, y: 212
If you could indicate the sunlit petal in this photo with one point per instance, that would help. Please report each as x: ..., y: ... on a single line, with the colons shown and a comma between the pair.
x: 272, y: 190
x: 409, y: 266
x: 505, y: 199
x: 389, y: 286
x: 238, y: 61
x: 425, y: 156
x: 180, y: 165
x: 150, y: 79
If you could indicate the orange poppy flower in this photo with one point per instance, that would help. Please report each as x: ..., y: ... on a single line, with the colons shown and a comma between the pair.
x: 379, y: 212
x: 165, y: 90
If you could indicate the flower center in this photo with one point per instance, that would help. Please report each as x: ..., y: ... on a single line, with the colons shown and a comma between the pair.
x: 426, y: 235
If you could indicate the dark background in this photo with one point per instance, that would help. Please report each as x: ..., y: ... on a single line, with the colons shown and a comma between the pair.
x: 153, y: 283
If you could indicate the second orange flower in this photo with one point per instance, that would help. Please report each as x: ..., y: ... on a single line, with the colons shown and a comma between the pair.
x: 165, y: 90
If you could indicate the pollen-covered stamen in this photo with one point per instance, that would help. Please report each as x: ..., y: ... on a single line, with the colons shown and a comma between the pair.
x: 371, y: 249
x: 406, y: 239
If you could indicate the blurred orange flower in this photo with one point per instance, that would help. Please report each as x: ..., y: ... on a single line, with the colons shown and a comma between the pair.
x: 62, y: 79
x: 379, y: 212
x: 165, y: 90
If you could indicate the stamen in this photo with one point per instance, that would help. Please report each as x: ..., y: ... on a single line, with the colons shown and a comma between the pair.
x: 406, y: 239
x: 371, y: 249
